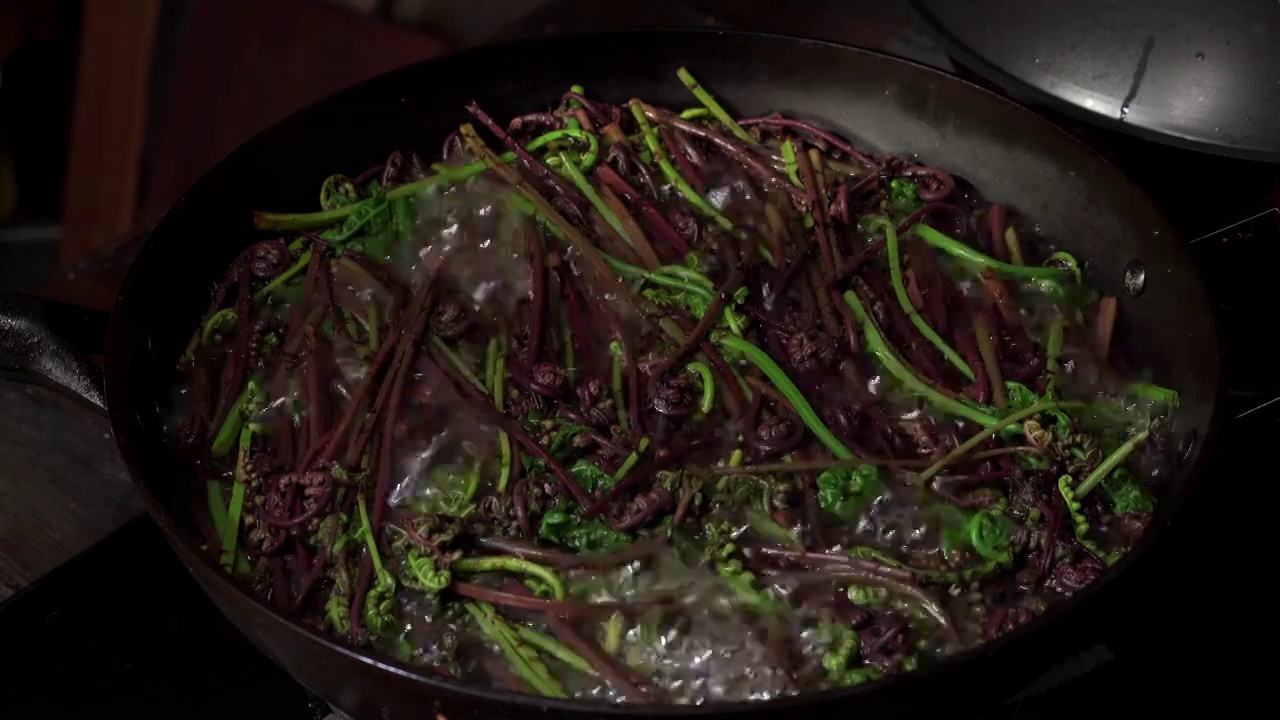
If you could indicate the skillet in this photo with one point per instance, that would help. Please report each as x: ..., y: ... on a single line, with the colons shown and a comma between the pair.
x: 878, y: 102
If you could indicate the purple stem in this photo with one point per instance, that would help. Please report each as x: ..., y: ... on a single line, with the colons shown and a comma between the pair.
x: 653, y: 218
x: 738, y: 152
x: 802, y: 126
x: 687, y: 168
x: 549, y: 179
x: 594, y: 109
x: 937, y: 184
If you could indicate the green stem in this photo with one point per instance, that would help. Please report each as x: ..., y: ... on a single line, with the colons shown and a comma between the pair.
x: 705, y: 98
x: 673, y: 176
x: 708, y: 385
x: 959, y: 250
x: 963, y: 448
x: 511, y: 564
x: 230, y: 429
x: 530, y: 669
x: 218, y: 514
x: 370, y: 539
x: 613, y: 634
x: 666, y: 277
x: 792, y: 165
x: 900, y: 289
x: 790, y: 391
x: 497, y: 382
x: 695, y: 113
x: 1154, y: 393
x: 627, y: 270
x: 231, y: 531
x: 880, y: 348
x: 292, y: 271
x: 619, y: 397
x: 631, y: 460
x: 304, y: 221
x: 456, y: 361
x: 1067, y: 261
x: 770, y: 530
x: 689, y: 274
x: 554, y: 648
x: 1052, y: 350
x: 596, y: 201
x: 572, y: 122
x: 215, y: 322
x: 1111, y: 462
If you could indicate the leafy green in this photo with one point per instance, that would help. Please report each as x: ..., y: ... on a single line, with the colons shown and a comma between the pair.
x: 846, y: 492
x: 1126, y: 493
x: 337, y: 610
x: 841, y: 656
x: 452, y: 491
x: 338, y: 191
x: 904, y: 197
x: 590, y: 477
x: 1020, y: 396
x: 368, y: 218
x: 424, y: 575
x: 570, y: 530
x: 990, y: 535
x: 742, y: 582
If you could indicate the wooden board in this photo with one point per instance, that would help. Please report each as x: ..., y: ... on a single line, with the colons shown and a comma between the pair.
x: 62, y: 485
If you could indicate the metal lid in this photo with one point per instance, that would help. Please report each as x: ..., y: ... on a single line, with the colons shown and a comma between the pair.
x: 1202, y: 75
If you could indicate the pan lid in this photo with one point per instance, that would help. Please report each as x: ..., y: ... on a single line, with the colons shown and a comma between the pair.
x: 1197, y: 74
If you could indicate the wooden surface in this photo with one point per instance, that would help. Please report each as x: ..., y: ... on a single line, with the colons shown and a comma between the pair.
x: 245, y: 64
x: 62, y: 485
x: 108, y: 126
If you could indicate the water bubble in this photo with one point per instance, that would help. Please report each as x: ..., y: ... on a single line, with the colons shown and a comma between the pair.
x: 1135, y: 278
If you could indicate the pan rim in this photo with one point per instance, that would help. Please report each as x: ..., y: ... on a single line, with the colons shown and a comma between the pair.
x: 185, y: 548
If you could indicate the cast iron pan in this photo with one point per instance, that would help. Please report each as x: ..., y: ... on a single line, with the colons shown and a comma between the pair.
x: 879, y: 102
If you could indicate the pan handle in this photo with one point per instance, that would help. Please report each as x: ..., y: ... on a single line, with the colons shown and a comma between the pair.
x: 48, y: 343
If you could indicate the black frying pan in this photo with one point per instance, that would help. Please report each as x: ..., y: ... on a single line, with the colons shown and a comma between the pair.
x: 879, y: 102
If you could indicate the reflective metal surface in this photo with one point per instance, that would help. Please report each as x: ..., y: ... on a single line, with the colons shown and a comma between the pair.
x: 1198, y: 74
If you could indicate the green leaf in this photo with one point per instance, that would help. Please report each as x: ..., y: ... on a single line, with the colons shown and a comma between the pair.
x: 338, y: 191
x: 904, y: 197
x: 1126, y: 493
x: 1020, y: 396
x: 424, y: 575
x: 989, y: 534
x: 562, y: 439
x: 590, y: 477
x: 554, y: 525
x: 593, y: 535
x: 846, y: 492
x: 369, y: 218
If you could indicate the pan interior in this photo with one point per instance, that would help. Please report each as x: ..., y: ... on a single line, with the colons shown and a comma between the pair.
x: 1078, y: 201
